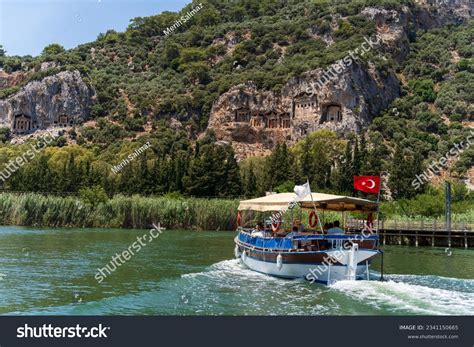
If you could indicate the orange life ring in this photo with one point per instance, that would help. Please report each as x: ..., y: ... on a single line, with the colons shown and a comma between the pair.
x: 313, y: 219
x: 276, y: 226
x: 370, y: 220
x: 239, y: 219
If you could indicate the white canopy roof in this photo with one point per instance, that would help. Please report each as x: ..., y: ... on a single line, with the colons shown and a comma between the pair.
x: 328, y: 202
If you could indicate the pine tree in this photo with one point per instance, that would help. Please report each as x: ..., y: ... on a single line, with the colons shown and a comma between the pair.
x: 71, y: 175
x: 201, y: 178
x: 306, y: 159
x: 279, y: 166
x: 345, y: 171
x: 377, y: 154
x: 233, y: 181
x: 179, y: 171
x: 271, y: 168
x: 284, y: 161
x: 397, y: 180
x: 250, y: 182
x: 155, y: 177
x: 363, y: 155
x: 218, y: 160
x: 144, y: 176
x: 357, y: 160
x: 320, y: 166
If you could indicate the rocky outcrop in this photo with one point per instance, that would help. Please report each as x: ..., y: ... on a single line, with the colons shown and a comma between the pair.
x: 63, y: 99
x: 255, y: 120
x: 8, y: 80
x: 395, y: 27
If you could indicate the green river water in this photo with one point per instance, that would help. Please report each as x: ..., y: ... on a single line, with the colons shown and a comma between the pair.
x: 51, y: 271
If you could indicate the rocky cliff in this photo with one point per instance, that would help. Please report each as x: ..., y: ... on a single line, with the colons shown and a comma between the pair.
x: 344, y: 97
x: 395, y: 27
x: 63, y: 99
x: 254, y: 120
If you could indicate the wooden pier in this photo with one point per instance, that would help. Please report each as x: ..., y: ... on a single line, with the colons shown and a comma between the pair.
x: 420, y: 233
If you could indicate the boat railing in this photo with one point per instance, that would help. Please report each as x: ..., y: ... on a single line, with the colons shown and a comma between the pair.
x: 310, y: 242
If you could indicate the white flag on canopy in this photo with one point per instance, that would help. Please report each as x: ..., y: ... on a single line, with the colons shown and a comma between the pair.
x: 303, y: 190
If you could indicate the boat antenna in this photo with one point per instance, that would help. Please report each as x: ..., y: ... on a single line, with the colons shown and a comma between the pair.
x: 314, y: 206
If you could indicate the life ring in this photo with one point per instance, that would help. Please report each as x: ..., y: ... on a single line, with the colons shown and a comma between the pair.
x: 370, y: 220
x: 276, y: 225
x: 239, y: 219
x: 312, y: 219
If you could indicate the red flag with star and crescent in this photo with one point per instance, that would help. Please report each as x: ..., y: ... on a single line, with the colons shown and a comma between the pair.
x: 368, y: 184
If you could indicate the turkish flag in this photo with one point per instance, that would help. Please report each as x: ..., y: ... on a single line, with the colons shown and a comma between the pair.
x: 368, y: 184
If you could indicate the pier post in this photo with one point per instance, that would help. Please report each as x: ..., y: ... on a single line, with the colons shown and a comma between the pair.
x: 416, y: 238
x: 465, y: 240
x: 399, y: 238
x: 448, y: 210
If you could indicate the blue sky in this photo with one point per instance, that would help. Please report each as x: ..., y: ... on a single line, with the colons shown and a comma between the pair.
x: 27, y: 26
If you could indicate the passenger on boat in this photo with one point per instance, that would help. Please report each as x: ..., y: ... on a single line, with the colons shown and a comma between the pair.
x: 300, y: 226
x: 260, y: 231
x: 335, y: 229
x: 294, y: 231
x: 326, y: 227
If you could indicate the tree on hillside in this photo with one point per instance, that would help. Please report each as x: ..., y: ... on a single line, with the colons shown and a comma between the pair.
x: 233, y: 182
x: 203, y: 175
x: 250, y: 180
x: 306, y: 159
x: 278, y: 166
x: 345, y: 171
x: 356, y: 160
x: 376, y: 155
x: 405, y: 166
x: 53, y: 49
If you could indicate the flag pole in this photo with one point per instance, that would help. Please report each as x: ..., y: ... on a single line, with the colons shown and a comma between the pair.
x: 314, y: 206
x: 378, y: 201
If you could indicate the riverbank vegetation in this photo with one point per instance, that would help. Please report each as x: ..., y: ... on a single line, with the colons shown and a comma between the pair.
x: 119, y: 212
x: 92, y: 208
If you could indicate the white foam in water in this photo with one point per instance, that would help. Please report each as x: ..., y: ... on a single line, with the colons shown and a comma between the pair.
x: 409, y: 297
x: 230, y: 268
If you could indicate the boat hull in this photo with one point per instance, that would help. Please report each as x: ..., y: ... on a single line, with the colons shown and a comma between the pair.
x: 318, y: 266
x: 321, y: 273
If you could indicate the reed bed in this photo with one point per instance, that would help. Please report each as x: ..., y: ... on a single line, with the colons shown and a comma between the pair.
x: 138, y: 212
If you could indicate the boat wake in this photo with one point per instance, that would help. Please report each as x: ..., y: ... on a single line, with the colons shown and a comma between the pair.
x: 229, y: 288
x: 413, y: 294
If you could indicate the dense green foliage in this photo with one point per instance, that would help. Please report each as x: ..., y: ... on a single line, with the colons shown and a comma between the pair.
x: 171, y: 164
x: 431, y: 205
x: 425, y: 122
x: 330, y: 163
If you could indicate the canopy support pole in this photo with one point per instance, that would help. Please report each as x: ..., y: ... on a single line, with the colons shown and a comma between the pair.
x: 315, y: 209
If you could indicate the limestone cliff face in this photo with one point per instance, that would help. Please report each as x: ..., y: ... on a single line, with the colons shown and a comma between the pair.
x: 63, y: 99
x: 394, y: 26
x: 255, y: 120
x: 8, y: 80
